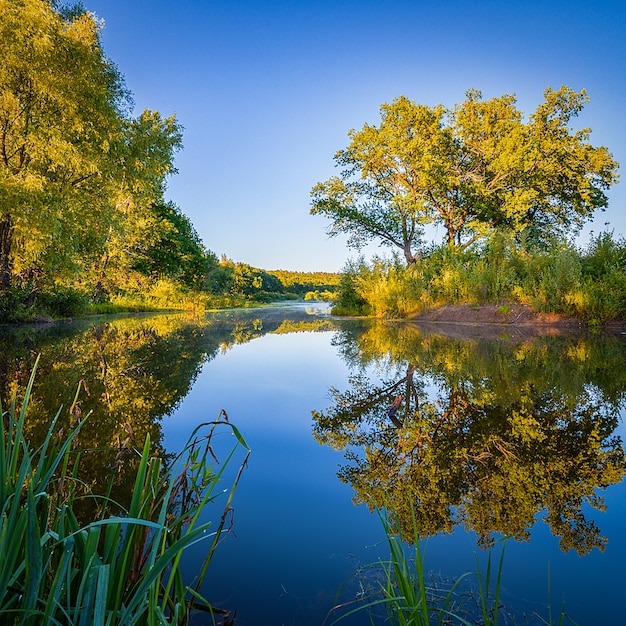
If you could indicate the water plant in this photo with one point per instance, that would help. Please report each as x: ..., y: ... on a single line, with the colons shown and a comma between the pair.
x: 117, y: 569
x: 409, y: 596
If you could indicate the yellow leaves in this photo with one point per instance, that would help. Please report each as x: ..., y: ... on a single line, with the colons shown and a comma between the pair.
x: 526, y: 427
x: 577, y: 299
x: 85, y: 30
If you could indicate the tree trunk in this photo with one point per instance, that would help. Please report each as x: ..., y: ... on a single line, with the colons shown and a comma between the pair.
x: 99, y: 290
x: 451, y: 233
x: 408, y: 255
x: 6, y: 240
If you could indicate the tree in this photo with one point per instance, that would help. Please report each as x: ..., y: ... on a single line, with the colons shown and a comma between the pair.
x: 381, y: 193
x: 539, y: 176
x: 471, y: 169
x: 78, y: 174
x: 177, y: 251
x: 147, y: 156
x: 61, y: 104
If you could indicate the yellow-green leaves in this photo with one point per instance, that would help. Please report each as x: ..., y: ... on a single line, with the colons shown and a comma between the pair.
x: 472, y: 168
x: 77, y: 174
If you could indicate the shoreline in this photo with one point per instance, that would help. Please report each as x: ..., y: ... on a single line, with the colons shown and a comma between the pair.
x: 506, y: 321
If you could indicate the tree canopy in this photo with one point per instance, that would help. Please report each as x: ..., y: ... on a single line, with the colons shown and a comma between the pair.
x: 472, y: 168
x: 78, y: 173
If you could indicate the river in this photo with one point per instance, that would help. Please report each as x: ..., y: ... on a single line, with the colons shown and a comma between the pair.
x: 515, y: 434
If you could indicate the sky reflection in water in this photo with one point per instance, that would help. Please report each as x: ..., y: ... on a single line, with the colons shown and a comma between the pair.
x: 297, y: 534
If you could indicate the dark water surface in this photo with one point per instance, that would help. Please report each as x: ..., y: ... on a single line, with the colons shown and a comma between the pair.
x: 505, y: 435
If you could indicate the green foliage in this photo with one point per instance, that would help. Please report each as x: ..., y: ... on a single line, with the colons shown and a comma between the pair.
x: 300, y: 283
x: 79, y: 174
x: 348, y: 300
x: 64, y: 302
x: 471, y: 169
x: 176, y: 252
x: 588, y: 284
x: 324, y: 296
x: 117, y: 569
x: 249, y: 281
x: 16, y: 305
x: 62, y: 104
x: 604, y: 255
x: 232, y: 282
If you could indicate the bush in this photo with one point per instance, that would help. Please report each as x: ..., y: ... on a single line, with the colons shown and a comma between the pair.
x: 604, y: 256
x: 349, y: 301
x: 63, y: 302
x: 552, y: 278
x: 15, y: 306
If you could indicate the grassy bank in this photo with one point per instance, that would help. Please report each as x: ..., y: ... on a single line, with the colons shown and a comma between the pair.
x: 588, y: 284
x: 22, y: 305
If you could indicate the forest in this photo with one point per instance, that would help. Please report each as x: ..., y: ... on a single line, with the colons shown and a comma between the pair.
x: 85, y: 226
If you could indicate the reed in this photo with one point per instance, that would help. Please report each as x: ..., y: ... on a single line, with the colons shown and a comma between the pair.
x: 407, y: 596
x: 116, y: 570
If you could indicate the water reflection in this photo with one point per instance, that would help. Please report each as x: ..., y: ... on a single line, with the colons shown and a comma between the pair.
x: 130, y: 373
x: 480, y: 433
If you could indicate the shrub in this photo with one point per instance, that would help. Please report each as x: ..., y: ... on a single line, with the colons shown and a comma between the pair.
x: 349, y: 301
x: 63, y: 302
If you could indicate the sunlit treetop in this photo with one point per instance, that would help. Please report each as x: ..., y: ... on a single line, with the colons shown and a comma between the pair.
x: 472, y: 168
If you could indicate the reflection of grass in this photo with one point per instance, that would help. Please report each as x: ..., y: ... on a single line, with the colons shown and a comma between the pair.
x: 409, y: 597
x: 116, y: 570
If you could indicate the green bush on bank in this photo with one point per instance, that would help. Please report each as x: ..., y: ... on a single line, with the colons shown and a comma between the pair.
x: 589, y: 283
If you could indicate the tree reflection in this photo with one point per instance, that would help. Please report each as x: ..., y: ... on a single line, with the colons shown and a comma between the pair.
x: 130, y: 372
x: 488, y: 434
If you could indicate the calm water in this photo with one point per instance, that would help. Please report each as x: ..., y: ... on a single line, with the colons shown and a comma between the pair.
x: 514, y: 435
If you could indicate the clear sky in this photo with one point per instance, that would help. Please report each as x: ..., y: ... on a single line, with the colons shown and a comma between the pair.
x: 267, y: 92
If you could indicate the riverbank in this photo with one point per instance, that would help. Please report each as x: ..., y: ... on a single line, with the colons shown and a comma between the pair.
x: 510, y: 313
x: 493, y: 321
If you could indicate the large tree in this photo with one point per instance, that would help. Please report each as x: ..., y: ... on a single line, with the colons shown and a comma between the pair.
x: 540, y: 176
x: 177, y: 252
x: 381, y: 192
x: 147, y: 157
x: 61, y: 105
x: 77, y: 172
x: 471, y: 169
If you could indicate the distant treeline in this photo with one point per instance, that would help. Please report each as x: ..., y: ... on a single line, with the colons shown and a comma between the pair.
x: 302, y: 283
x: 234, y: 283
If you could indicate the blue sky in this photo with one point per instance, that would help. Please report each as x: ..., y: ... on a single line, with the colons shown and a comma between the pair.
x: 267, y: 92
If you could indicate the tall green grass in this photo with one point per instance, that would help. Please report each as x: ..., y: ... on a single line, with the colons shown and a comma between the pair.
x: 588, y: 283
x: 408, y: 596
x: 115, y: 570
